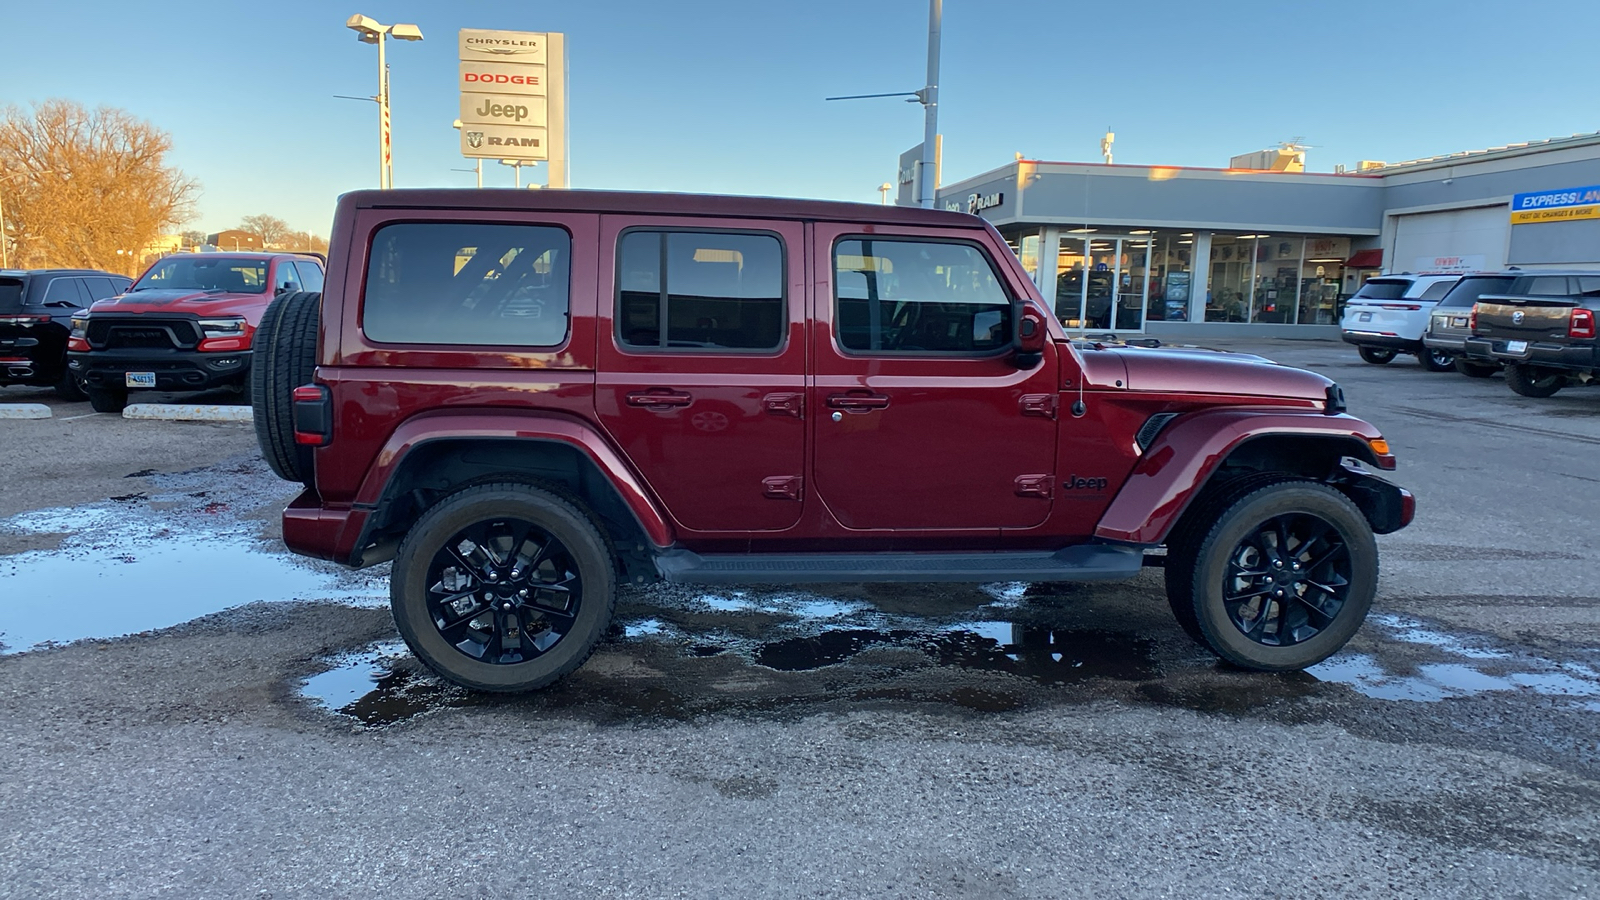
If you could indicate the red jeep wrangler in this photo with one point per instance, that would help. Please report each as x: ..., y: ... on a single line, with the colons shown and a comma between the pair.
x: 185, y: 325
x: 523, y: 398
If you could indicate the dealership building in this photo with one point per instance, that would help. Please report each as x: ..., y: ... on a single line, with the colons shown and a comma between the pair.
x: 1175, y: 251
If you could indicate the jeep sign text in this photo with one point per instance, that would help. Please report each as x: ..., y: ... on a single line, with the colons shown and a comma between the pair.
x: 490, y: 109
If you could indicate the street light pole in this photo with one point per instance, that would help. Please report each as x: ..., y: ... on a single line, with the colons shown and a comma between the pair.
x: 370, y: 31
x: 930, y: 104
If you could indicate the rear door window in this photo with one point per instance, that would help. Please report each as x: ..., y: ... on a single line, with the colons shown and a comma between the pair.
x: 918, y: 297
x: 1383, y: 289
x: 468, y: 283
x: 63, y: 293
x: 699, y: 290
x: 1436, y: 291
x: 310, y: 275
x: 100, y: 288
x: 1548, y: 285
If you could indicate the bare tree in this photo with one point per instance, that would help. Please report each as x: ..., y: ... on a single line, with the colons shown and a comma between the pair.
x: 271, y: 229
x: 82, y: 185
x: 192, y: 239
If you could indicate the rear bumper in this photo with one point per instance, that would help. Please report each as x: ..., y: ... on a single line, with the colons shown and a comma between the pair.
x: 322, y: 532
x: 175, y: 370
x: 1386, y: 341
x: 1576, y: 357
x: 29, y: 360
x: 1446, y: 342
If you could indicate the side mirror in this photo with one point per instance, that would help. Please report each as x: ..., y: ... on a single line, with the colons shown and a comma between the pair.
x: 1031, y: 335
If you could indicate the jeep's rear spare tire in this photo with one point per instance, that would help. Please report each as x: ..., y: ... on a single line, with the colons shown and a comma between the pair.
x: 502, y: 587
x: 285, y: 357
x: 1283, y: 577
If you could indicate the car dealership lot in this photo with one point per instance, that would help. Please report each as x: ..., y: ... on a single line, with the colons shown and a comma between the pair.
x: 890, y: 740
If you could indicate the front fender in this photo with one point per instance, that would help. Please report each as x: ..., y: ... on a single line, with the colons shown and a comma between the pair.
x: 1185, y: 455
x: 516, y: 424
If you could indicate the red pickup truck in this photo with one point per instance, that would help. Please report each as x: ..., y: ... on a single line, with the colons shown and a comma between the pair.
x: 524, y: 398
x: 187, y: 324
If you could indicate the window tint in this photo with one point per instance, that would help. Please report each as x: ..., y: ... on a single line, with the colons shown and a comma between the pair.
x: 65, y: 292
x: 100, y: 288
x: 1467, y: 291
x: 1379, y: 289
x: 284, y: 277
x: 1548, y: 285
x: 206, y: 273
x: 721, y: 291
x: 1436, y: 290
x: 11, y: 293
x: 1589, y: 284
x: 310, y: 275
x: 457, y: 283
x: 897, y: 296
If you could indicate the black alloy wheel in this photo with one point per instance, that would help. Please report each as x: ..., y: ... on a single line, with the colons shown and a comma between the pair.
x: 1436, y: 360
x: 503, y: 587
x: 1287, y: 580
x: 1282, y: 577
x: 1376, y: 355
x: 503, y: 591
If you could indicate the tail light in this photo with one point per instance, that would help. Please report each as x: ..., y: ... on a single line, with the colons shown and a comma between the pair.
x: 24, y: 321
x: 1581, y: 324
x: 1406, y: 306
x: 313, y: 415
x: 1472, y: 319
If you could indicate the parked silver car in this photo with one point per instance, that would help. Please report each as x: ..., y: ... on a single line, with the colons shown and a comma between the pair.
x: 1449, y: 325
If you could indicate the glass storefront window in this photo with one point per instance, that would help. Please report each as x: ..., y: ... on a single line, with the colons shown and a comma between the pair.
x: 1171, y: 276
x: 1277, y: 276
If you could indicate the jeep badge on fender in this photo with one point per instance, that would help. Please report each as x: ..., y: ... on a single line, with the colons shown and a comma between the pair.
x: 493, y: 394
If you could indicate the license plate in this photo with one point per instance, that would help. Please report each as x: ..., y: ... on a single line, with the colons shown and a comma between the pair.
x: 1365, y: 317
x: 1516, y: 346
x: 140, y: 379
x: 1458, y: 321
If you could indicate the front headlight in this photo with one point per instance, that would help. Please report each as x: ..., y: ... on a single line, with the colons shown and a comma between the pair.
x: 233, y: 326
x: 80, y: 326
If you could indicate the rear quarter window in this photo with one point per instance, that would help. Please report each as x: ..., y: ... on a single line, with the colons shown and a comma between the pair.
x: 1380, y: 289
x: 468, y: 283
x: 1467, y: 291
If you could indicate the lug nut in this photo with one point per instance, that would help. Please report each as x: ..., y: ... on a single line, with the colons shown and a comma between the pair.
x: 523, y: 593
x: 491, y: 576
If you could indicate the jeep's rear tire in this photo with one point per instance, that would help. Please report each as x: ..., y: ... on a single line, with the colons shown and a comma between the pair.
x: 1283, y: 577
x: 1376, y: 355
x: 1436, y: 360
x: 1475, y: 369
x: 285, y: 350
x: 503, y: 587
x: 1531, y: 381
x: 107, y: 400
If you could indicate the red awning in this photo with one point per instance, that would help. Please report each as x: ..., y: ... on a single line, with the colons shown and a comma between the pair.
x: 1366, y: 259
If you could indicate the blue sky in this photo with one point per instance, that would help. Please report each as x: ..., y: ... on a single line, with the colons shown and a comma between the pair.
x: 725, y: 96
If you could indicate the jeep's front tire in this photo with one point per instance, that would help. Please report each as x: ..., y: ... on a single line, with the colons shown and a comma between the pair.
x: 1281, y: 579
x: 503, y: 587
x: 285, y: 350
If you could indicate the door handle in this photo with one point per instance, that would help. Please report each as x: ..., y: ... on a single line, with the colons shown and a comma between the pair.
x: 857, y: 401
x: 659, y: 399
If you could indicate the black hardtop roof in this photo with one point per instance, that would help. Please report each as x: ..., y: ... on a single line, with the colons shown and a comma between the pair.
x: 650, y: 203
x: 12, y: 273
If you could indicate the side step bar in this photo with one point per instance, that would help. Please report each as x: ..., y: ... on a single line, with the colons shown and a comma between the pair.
x: 1084, y: 562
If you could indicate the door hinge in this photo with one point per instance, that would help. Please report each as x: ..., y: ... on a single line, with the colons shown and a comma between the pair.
x: 782, y: 487
x: 1034, y: 486
x: 1038, y: 405
x: 784, y: 404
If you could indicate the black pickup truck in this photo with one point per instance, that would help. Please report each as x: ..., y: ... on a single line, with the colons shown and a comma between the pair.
x: 1546, y: 338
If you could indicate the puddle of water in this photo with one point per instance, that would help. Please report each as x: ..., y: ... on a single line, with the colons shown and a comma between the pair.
x: 804, y: 606
x: 1414, y: 632
x: 1438, y: 681
x: 643, y: 629
x: 353, y: 676
x: 1045, y: 655
x: 1006, y: 594
x: 122, y: 574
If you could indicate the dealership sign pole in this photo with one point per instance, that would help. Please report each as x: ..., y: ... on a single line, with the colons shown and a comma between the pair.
x: 513, y: 98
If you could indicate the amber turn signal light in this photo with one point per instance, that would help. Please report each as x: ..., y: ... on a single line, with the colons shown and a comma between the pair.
x: 1379, y: 446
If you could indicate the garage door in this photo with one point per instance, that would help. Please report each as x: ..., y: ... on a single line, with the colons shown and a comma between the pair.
x: 1474, y: 233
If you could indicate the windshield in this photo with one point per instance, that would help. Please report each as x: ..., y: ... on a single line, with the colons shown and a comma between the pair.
x: 1469, y: 289
x: 238, y: 276
x: 1380, y: 289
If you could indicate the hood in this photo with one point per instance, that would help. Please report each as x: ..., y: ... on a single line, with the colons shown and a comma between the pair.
x: 183, y: 301
x: 1194, y: 371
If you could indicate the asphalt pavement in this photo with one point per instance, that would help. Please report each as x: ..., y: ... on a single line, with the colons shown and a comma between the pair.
x: 185, y: 710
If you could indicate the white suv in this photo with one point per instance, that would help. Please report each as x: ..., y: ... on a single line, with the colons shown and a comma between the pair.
x: 1389, y: 315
